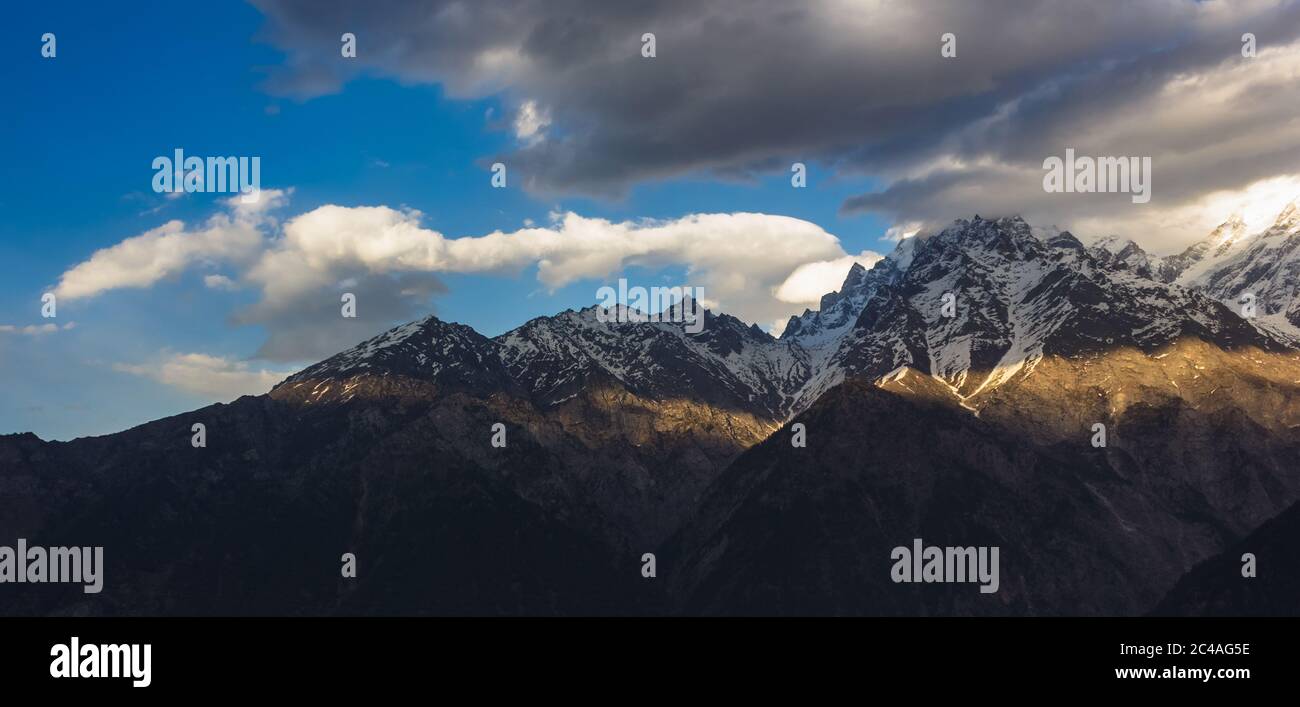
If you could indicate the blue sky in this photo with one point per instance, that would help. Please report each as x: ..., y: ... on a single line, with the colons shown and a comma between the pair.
x: 82, y: 129
x: 667, y: 169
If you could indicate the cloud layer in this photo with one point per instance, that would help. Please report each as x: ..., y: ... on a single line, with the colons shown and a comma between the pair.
x: 740, y: 87
x: 166, y: 251
x: 759, y: 267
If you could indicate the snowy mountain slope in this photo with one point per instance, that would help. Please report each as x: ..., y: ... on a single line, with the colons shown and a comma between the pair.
x: 1209, y: 253
x: 1227, y: 265
x: 447, y: 355
x: 974, y: 305
x: 1015, y: 296
x: 726, y: 363
x: 1123, y: 254
x: 1267, y: 266
x: 1186, y: 268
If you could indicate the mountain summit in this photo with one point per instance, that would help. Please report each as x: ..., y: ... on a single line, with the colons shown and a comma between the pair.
x: 973, y: 305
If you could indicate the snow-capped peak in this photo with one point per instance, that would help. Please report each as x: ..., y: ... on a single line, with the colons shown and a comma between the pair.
x: 1288, y: 219
x: 973, y: 305
x: 1263, y: 268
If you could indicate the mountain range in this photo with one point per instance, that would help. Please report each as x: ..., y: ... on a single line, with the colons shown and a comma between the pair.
x: 953, y: 393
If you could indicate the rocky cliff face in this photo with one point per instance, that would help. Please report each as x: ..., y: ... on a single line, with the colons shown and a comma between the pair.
x: 951, y: 393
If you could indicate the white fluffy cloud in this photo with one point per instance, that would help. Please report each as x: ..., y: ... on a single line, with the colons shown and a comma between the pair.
x: 143, y: 260
x: 751, y: 265
x: 211, y: 377
x: 738, y: 258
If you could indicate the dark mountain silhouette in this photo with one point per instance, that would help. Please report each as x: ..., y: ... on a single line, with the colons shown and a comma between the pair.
x: 1218, y: 587
x: 951, y: 393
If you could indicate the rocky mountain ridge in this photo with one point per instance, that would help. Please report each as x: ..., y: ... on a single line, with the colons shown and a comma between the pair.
x: 952, y: 392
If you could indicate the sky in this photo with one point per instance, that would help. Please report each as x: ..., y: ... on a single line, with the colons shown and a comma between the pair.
x: 376, y: 169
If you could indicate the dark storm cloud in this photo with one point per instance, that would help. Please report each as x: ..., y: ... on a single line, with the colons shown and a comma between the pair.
x: 739, y: 88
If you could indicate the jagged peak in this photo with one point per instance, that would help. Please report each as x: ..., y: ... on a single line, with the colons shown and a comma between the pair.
x: 1065, y: 239
x: 1288, y: 219
x: 428, y: 325
x: 393, y: 347
x: 966, y: 228
x: 1230, y: 230
x: 963, y: 227
x: 1112, y: 244
x: 1012, y: 230
x: 1007, y: 235
x: 852, y: 281
x: 1131, y: 248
